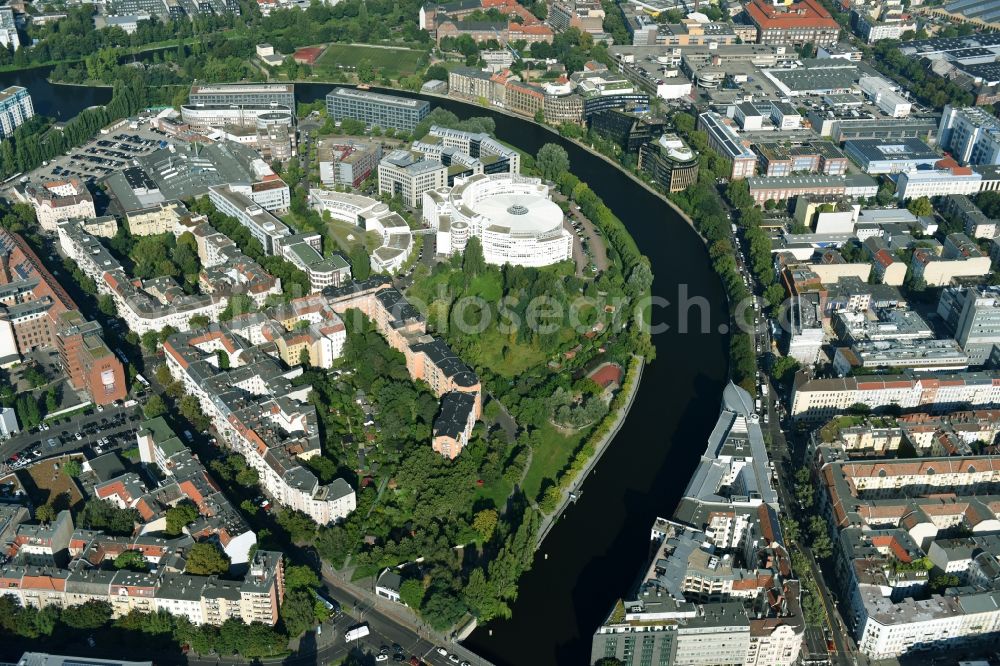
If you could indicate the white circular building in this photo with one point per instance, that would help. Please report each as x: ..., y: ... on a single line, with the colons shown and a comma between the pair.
x: 513, y: 217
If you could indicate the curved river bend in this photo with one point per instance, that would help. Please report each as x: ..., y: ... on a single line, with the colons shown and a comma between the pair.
x: 596, y: 550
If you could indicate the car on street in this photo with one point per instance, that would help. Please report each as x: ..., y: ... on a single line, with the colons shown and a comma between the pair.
x: 441, y: 651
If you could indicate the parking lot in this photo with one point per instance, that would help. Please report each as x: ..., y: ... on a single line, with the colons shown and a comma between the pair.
x: 104, y: 155
x: 113, y: 428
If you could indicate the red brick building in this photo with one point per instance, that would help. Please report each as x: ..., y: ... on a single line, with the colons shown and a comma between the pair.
x: 798, y: 23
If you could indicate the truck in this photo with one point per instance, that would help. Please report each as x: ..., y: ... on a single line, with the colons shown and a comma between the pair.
x: 356, y: 632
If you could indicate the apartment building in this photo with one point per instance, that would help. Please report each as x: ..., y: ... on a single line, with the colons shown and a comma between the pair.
x: 888, y: 514
x: 974, y: 315
x: 160, y: 218
x: 376, y: 109
x: 81, y: 571
x: 9, y: 38
x: 15, y: 104
x: 427, y: 358
x: 961, y: 258
x: 973, y: 221
x: 820, y: 399
x: 36, y: 312
x: 261, y: 416
x: 58, y: 200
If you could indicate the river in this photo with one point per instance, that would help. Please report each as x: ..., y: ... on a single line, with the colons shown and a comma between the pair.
x: 595, y: 552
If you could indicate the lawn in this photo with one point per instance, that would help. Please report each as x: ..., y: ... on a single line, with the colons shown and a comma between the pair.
x: 552, y: 453
x: 390, y: 62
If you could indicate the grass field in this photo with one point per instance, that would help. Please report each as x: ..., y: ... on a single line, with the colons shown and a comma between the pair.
x: 393, y: 63
x: 551, y: 455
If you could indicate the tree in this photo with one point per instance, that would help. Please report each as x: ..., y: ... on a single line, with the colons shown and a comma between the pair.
x: 920, y: 207
x: 89, y: 615
x: 942, y: 582
x: 205, y: 558
x: 473, y: 262
x: 361, y: 266
x: 28, y: 413
x: 223, y: 357
x: 300, y: 577
x: 411, y: 592
x: 106, y: 304
x: 247, y: 477
x: 552, y: 161
x: 132, y: 560
x: 238, y: 304
x: 485, y: 523
x: 784, y: 368
x: 154, y: 407
x: 150, y: 339
x: 298, y: 611
x: 45, y: 513
x: 72, y: 468
x: 180, y: 516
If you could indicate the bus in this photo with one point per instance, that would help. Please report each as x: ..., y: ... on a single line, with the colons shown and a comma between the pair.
x: 330, y: 605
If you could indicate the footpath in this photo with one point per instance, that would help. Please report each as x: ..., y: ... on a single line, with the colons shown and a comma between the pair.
x: 569, y: 494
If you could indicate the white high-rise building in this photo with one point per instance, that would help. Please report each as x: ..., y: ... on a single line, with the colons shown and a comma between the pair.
x: 8, y: 29
x: 15, y: 106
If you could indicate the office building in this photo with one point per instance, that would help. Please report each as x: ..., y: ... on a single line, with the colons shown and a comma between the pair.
x: 970, y: 134
x: 945, y: 178
x: 670, y: 162
x: 876, y: 156
x: 724, y: 140
x: 884, y: 95
x: 261, y: 224
x: 15, y: 108
x: 204, y: 116
x: 806, y: 21
x: 370, y: 215
x: 513, y: 217
x: 628, y: 130
x: 780, y: 188
x: 376, y: 109
x: 239, y: 94
x: 403, y: 174
x: 916, y: 354
x: 347, y: 162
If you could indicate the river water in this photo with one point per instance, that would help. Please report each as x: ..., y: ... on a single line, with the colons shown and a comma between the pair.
x: 596, y: 550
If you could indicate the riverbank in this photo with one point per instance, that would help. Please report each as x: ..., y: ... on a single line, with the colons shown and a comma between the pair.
x: 574, y: 488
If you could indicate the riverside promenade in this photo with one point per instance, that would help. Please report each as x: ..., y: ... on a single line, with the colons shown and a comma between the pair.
x: 567, y: 494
